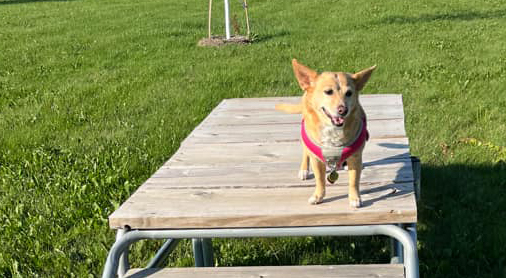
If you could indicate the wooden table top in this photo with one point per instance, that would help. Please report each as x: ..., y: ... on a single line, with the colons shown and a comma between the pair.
x: 239, y: 167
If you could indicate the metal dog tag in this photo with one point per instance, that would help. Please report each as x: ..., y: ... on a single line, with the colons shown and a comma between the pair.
x: 333, y: 176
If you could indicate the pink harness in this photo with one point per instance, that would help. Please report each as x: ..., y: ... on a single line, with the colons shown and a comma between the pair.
x: 347, y: 150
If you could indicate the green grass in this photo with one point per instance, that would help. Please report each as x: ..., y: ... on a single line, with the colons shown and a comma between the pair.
x: 96, y: 95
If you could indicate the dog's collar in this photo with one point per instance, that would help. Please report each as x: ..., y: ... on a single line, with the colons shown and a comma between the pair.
x: 342, y: 152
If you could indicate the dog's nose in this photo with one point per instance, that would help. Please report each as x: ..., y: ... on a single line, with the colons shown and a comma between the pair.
x: 342, y: 110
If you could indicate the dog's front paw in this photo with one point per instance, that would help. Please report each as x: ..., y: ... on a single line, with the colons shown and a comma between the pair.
x: 316, y: 199
x: 355, y: 202
x: 303, y: 174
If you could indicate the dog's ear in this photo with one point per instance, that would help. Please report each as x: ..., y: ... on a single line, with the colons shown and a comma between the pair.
x: 361, y: 77
x: 305, y: 75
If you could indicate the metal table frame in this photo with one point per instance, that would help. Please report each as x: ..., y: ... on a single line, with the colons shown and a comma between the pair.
x: 117, y: 260
x: 403, y: 239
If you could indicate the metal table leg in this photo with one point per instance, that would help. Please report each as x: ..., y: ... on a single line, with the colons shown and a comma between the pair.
x: 397, y: 252
x: 396, y: 247
x: 123, y: 264
x: 203, y: 252
x: 416, y: 164
x: 163, y: 253
x: 410, y: 251
x: 197, y: 252
x: 207, y: 252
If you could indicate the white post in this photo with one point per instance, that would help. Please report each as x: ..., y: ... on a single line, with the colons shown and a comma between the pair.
x: 227, y: 21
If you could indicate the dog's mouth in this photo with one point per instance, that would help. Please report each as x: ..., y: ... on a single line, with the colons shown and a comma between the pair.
x: 336, y: 120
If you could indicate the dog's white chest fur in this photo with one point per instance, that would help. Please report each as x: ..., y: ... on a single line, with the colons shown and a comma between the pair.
x: 332, y: 144
x: 332, y: 136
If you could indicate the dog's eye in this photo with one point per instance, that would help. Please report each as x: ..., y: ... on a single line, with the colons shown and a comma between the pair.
x: 348, y: 93
x: 329, y: 92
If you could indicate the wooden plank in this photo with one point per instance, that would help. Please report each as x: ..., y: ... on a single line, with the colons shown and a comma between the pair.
x: 275, y: 117
x: 270, y: 175
x: 309, y: 271
x: 269, y: 102
x: 372, y: 112
x: 267, y: 125
x: 218, y: 155
x: 273, y: 207
x: 280, y: 132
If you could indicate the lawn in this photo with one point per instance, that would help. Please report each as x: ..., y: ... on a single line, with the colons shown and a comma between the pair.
x: 96, y: 95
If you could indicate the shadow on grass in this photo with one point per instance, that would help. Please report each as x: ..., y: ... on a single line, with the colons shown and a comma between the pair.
x: 9, y: 2
x: 457, y: 16
x: 462, y: 227
x: 267, y: 37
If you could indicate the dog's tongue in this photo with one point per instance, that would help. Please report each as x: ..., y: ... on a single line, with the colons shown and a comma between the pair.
x: 338, y: 120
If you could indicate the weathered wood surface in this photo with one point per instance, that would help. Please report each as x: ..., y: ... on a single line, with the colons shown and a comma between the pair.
x: 215, y: 155
x: 271, y: 175
x: 272, y: 207
x: 255, y: 120
x: 281, y: 132
x: 238, y: 168
x: 310, y: 271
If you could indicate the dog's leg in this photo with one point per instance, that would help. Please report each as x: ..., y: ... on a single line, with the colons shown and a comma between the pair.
x: 354, y: 171
x: 304, y: 165
x: 319, y: 174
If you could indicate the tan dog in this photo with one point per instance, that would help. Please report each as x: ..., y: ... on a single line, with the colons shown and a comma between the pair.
x: 332, y: 116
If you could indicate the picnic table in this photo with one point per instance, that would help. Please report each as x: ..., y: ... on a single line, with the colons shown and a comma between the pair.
x: 235, y: 175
